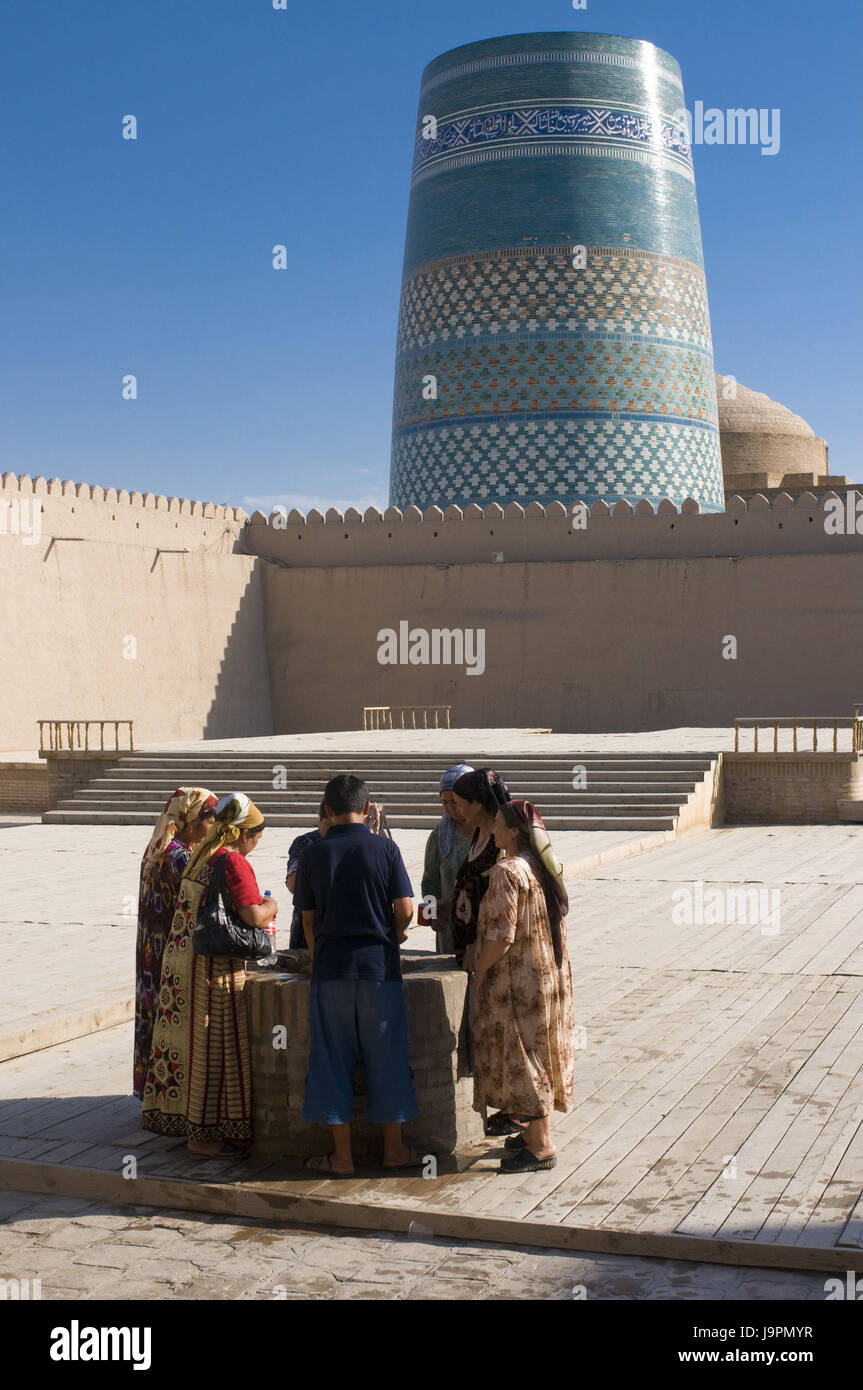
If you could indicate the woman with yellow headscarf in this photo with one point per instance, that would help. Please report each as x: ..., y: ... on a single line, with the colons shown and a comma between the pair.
x: 186, y: 820
x: 199, y: 1082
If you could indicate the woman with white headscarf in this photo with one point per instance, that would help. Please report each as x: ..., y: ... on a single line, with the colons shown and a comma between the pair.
x: 199, y: 1082
x: 186, y: 819
x: 446, y: 851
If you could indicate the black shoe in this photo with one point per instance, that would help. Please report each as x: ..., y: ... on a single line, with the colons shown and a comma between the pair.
x: 500, y: 1124
x: 514, y: 1143
x: 526, y: 1162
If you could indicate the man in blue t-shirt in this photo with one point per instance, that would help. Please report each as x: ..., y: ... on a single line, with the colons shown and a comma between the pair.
x: 356, y: 902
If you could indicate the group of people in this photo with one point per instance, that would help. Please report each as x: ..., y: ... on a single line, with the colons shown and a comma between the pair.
x: 493, y: 890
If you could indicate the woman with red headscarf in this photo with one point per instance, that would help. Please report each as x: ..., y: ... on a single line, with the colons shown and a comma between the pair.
x: 522, y: 1014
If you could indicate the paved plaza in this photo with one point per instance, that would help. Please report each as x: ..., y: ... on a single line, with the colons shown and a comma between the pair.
x: 718, y: 1110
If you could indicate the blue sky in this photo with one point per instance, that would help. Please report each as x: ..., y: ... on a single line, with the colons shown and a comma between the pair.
x: 258, y: 126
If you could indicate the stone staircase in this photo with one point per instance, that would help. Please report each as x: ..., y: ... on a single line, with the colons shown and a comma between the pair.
x: 616, y: 791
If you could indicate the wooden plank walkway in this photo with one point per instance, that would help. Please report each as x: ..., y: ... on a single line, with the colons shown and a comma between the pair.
x: 719, y: 1089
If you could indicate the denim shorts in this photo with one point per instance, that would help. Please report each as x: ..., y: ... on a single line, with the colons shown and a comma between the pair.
x: 351, y: 1020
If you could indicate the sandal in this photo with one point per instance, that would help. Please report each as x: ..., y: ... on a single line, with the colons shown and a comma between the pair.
x: 500, y: 1124
x: 526, y: 1162
x: 320, y: 1163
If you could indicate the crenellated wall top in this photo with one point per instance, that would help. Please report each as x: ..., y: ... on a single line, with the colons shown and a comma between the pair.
x: 24, y: 485
x: 553, y: 531
x: 65, y: 510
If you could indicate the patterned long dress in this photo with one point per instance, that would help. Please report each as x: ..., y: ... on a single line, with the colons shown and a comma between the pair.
x: 523, y: 1027
x: 199, y: 1082
x: 157, y: 902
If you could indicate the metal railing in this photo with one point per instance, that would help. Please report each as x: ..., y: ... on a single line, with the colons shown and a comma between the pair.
x: 385, y: 716
x: 801, y: 725
x: 73, y: 735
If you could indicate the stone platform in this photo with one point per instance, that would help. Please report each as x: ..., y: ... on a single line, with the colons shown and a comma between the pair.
x: 435, y: 998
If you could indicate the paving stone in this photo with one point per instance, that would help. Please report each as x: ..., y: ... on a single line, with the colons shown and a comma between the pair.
x: 451, y: 1289
x: 142, y: 1290
x: 70, y: 1236
x: 310, y: 1283
x: 354, y: 1290
x: 345, y: 1263
x: 105, y: 1220
x: 212, y: 1256
x: 118, y: 1257
x: 149, y: 1237
x: 11, y: 1240
x: 471, y: 1266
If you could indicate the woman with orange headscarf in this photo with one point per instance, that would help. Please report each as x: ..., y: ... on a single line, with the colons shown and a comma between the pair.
x: 523, y: 1032
x: 186, y: 819
x: 199, y: 1081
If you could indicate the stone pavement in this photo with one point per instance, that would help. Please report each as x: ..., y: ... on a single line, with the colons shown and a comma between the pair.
x: 85, y: 1250
x: 495, y: 742
x: 719, y: 1081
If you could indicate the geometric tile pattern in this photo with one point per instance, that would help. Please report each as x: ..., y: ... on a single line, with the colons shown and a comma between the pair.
x: 577, y: 374
x: 557, y: 457
x: 537, y: 291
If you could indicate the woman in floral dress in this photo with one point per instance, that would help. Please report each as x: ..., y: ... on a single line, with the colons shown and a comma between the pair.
x: 186, y: 820
x: 522, y: 997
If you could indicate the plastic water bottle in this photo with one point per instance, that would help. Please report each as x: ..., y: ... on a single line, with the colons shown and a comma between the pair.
x: 272, y: 959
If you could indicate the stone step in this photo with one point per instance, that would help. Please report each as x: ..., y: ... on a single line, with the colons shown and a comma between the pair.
x: 622, y: 791
x: 398, y: 795
x: 564, y: 822
x: 314, y: 767
x: 292, y: 813
x: 611, y: 781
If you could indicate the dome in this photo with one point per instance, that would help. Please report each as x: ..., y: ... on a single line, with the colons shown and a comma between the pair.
x: 751, y: 412
x: 762, y: 442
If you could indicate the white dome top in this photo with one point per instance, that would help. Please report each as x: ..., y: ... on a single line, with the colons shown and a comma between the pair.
x: 751, y: 412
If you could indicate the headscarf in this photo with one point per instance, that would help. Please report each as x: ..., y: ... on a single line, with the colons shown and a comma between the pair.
x: 485, y: 787
x: 184, y: 806
x: 446, y: 829
x: 234, y: 812
x: 551, y: 871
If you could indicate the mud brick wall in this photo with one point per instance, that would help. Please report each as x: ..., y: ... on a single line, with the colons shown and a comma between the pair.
x: 787, y: 787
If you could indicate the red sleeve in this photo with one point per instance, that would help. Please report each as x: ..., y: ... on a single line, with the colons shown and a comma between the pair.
x: 240, y: 880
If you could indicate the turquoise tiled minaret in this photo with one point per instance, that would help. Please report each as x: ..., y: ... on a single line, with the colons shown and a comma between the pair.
x: 527, y: 369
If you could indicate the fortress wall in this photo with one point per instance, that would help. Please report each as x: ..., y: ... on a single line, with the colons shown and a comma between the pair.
x: 93, y: 513
x: 68, y: 609
x: 596, y: 646
x: 759, y: 527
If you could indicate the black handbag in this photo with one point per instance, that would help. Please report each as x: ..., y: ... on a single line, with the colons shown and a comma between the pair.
x: 219, y: 931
